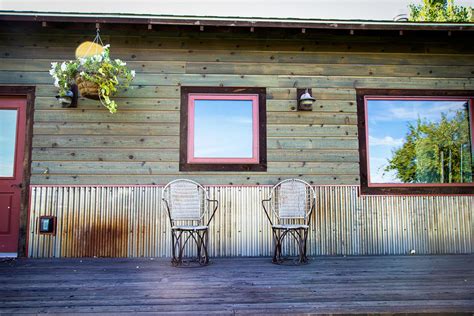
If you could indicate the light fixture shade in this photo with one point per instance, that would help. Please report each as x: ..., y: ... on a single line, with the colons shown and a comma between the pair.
x: 306, y: 100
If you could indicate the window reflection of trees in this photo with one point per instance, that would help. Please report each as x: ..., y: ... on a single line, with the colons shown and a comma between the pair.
x: 435, y: 151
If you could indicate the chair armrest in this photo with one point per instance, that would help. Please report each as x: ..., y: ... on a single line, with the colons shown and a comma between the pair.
x: 216, y: 205
x: 308, y: 216
x: 265, y: 209
x: 168, y: 210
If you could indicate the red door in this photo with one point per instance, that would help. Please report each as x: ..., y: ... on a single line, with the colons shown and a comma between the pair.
x: 12, y: 143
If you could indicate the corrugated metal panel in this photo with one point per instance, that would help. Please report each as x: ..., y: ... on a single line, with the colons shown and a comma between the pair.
x: 127, y: 221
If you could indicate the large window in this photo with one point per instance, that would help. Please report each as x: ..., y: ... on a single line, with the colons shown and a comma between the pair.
x: 415, y: 142
x: 223, y: 129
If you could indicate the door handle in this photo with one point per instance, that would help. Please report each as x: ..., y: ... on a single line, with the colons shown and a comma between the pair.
x: 19, y: 185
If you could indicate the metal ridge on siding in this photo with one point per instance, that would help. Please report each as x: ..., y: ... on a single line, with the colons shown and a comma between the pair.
x: 128, y: 221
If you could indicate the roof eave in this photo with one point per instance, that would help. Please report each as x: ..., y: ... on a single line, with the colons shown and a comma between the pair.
x: 230, y: 21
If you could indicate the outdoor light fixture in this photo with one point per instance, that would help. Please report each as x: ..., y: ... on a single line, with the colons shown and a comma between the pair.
x: 70, y: 99
x: 305, y: 99
x: 47, y: 225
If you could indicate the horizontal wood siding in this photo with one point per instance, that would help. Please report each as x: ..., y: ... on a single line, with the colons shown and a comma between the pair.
x: 139, y: 144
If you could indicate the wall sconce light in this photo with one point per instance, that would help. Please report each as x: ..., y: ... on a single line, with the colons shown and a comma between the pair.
x: 47, y: 225
x: 70, y: 99
x: 305, y: 99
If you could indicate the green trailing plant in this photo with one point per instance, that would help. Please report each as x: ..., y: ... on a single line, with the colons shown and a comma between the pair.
x: 110, y: 75
x: 439, y: 11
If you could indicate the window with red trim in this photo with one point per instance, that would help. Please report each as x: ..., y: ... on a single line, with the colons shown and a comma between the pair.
x: 416, y: 141
x: 223, y: 129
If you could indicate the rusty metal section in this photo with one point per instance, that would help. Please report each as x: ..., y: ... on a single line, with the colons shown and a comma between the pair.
x: 129, y: 221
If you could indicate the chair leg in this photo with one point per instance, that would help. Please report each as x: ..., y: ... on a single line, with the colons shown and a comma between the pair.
x: 277, y: 250
x: 204, y: 240
x: 175, y: 242
x: 302, y: 242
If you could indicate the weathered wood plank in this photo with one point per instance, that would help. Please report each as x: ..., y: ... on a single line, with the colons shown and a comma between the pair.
x: 276, y: 81
x: 172, y: 142
x: 50, y: 103
x: 172, y: 168
x: 134, y: 91
x: 329, y: 70
x: 172, y: 92
x: 313, y: 69
x: 273, y: 44
x: 129, y: 116
x: 103, y: 116
x: 76, y: 129
x: 41, y: 154
x: 100, y: 141
x: 172, y: 67
x: 215, y: 178
x: 172, y: 129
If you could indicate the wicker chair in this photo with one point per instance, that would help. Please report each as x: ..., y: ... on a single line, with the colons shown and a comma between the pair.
x: 292, y: 202
x: 187, y: 203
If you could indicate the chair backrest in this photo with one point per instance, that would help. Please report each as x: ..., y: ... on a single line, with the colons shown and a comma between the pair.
x: 292, y: 199
x: 186, y: 200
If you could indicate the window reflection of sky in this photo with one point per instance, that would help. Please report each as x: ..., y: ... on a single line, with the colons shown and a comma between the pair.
x: 8, y: 120
x: 223, y: 129
x: 387, y: 127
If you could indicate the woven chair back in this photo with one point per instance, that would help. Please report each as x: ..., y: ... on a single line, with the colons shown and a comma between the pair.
x: 292, y: 199
x: 186, y: 200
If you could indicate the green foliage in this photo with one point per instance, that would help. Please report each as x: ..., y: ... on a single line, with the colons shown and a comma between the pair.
x: 435, y: 152
x: 110, y: 75
x: 439, y: 11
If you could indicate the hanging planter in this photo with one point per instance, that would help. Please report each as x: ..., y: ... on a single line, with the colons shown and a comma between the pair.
x: 97, y: 76
x: 87, y: 89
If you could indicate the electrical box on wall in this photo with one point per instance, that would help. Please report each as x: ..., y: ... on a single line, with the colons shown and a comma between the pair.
x: 47, y: 225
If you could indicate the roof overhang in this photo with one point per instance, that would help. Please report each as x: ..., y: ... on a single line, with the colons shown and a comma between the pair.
x: 230, y: 21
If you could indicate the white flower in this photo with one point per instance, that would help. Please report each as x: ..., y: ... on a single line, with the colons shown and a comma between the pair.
x: 98, y: 58
x: 82, y: 61
x: 132, y: 73
x: 63, y: 66
x: 106, y: 46
x: 82, y: 73
x: 56, y: 82
x: 53, y: 65
x: 51, y: 72
x: 120, y: 63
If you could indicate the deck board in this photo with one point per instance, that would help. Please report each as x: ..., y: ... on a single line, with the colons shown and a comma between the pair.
x: 391, y: 284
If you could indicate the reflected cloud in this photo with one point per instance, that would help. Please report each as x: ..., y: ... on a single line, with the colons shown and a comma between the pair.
x: 385, y: 141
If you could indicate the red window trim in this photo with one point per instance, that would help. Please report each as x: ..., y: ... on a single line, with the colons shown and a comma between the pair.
x: 259, y: 160
x: 367, y: 187
x: 255, y: 128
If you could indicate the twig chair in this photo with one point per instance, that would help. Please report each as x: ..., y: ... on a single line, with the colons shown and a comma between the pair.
x: 187, y: 203
x: 291, y: 202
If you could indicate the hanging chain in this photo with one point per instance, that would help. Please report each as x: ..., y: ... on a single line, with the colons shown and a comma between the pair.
x: 96, y: 40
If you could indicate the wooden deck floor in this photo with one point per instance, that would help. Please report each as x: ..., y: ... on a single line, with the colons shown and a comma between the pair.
x: 416, y: 284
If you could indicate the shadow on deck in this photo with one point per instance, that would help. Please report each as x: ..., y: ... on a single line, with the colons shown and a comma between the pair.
x: 418, y: 284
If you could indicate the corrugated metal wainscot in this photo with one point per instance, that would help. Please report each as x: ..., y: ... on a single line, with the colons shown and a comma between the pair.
x: 128, y: 221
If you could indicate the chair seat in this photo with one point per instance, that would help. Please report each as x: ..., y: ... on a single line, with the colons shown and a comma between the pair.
x: 291, y: 226
x: 193, y: 228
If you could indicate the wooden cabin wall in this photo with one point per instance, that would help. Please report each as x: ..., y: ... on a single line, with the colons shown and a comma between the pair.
x: 139, y: 144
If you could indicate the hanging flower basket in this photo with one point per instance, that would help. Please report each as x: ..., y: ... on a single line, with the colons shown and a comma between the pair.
x: 98, y: 77
x: 87, y: 89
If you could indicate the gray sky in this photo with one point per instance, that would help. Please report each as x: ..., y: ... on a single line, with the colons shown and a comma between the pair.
x: 323, y: 9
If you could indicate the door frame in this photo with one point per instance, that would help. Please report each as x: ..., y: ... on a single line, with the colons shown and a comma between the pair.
x: 29, y: 93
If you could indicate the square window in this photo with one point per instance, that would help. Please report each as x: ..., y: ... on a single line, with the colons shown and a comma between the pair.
x: 223, y: 129
x: 414, y: 142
